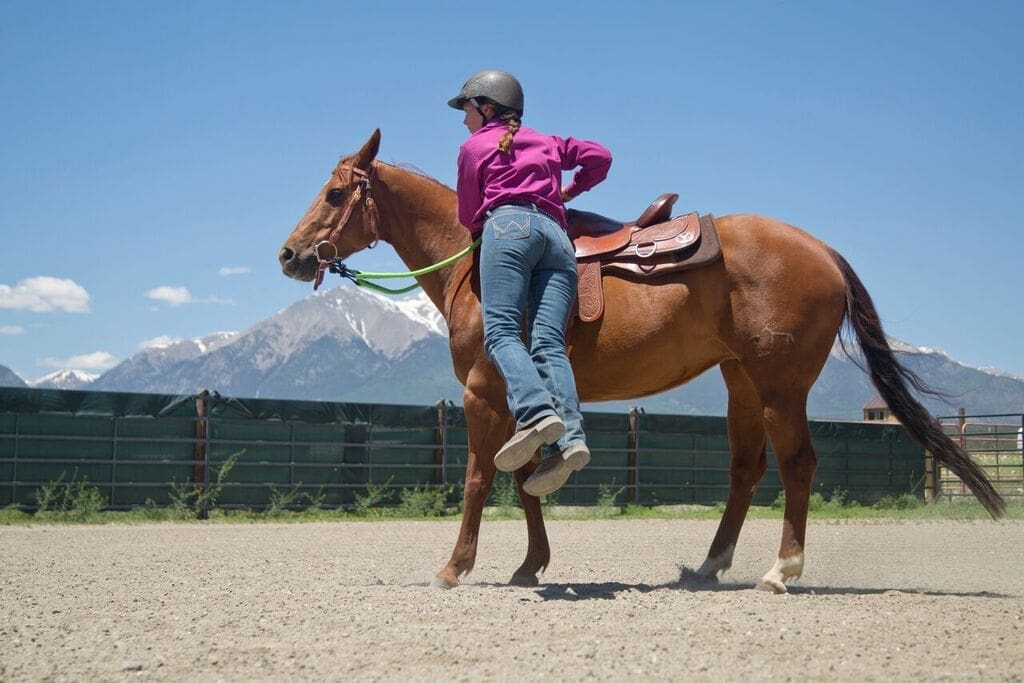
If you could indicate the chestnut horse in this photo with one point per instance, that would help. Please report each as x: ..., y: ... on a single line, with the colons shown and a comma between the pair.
x: 767, y: 314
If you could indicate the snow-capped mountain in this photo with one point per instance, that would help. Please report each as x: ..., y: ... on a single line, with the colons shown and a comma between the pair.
x: 9, y: 378
x: 343, y: 344
x: 64, y: 379
x: 348, y: 344
x: 155, y: 360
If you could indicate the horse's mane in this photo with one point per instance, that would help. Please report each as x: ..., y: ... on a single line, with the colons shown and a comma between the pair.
x: 411, y: 168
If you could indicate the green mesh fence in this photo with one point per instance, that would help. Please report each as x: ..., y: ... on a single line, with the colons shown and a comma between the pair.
x: 134, y: 447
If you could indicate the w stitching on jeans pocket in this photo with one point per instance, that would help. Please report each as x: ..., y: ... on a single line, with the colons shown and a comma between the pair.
x: 511, y: 228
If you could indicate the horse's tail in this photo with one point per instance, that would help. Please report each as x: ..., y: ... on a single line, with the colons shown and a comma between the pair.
x: 891, y: 379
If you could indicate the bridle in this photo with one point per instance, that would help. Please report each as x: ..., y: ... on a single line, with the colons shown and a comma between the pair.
x: 361, y: 192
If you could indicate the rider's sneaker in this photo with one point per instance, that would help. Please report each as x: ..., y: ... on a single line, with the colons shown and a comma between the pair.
x: 518, y: 450
x: 554, y: 471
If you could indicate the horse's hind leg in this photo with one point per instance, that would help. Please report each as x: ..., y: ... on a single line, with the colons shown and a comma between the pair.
x: 747, y: 466
x: 538, y: 552
x: 786, y: 420
x: 489, y: 425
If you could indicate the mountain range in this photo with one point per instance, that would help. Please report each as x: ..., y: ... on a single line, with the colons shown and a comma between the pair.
x: 347, y: 344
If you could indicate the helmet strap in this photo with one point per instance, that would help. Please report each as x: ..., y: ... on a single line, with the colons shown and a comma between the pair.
x: 478, y: 108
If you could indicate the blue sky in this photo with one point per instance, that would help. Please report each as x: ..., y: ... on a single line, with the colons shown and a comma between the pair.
x: 149, y: 146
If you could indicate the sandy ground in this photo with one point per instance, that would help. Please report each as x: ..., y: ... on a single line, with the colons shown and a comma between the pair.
x: 344, y: 601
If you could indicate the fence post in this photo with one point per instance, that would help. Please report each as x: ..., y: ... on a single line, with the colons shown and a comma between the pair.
x: 14, y: 465
x: 113, y: 463
x: 961, y: 425
x: 368, y: 446
x: 201, y: 453
x: 441, y: 439
x: 633, y: 444
x: 931, y: 488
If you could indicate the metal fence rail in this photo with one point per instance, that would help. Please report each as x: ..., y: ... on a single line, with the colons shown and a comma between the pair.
x: 334, y: 452
x: 995, y: 442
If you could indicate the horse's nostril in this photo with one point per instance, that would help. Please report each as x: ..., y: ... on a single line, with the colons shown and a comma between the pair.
x: 286, y: 255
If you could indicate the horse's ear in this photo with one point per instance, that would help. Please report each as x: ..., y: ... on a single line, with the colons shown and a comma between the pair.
x: 369, y: 151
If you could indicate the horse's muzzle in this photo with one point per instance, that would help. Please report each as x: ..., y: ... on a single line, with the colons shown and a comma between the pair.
x: 298, y: 264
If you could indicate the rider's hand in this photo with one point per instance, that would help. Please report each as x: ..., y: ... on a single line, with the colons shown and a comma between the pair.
x: 565, y: 197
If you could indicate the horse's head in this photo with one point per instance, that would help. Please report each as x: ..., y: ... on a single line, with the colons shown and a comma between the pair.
x: 342, y: 219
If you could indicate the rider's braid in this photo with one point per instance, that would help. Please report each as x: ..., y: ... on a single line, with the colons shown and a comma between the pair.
x: 511, y: 119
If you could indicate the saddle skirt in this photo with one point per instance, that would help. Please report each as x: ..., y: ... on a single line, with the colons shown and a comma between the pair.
x: 652, y: 246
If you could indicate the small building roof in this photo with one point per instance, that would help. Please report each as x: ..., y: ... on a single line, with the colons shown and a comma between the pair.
x: 876, y: 403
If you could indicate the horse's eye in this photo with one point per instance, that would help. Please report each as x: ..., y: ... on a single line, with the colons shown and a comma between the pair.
x: 335, y: 196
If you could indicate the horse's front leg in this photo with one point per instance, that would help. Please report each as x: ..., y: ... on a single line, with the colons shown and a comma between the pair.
x: 490, y: 425
x: 538, y: 552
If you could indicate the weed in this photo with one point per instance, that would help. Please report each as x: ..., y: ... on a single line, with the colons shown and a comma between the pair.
x: 838, y: 501
x: 280, y: 500
x: 549, y: 502
x: 190, y: 501
x: 907, y: 501
x: 506, y: 496
x: 607, y: 495
x: 425, y: 502
x: 316, y: 500
x: 74, y: 501
x: 368, y: 504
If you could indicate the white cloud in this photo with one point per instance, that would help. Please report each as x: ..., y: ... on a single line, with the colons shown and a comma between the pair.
x: 158, y: 342
x: 97, y: 360
x: 178, y: 296
x: 12, y: 329
x: 43, y: 294
x: 216, y: 300
x: 228, y: 271
x: 175, y: 296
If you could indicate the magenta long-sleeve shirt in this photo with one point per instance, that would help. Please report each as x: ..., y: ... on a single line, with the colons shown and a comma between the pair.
x: 532, y: 172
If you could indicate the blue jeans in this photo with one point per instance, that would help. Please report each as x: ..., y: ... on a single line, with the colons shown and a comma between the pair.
x: 528, y: 268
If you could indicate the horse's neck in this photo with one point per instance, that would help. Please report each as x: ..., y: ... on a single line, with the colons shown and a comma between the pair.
x: 419, y: 220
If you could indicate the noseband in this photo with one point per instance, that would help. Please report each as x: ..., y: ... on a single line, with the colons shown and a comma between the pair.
x: 362, y: 191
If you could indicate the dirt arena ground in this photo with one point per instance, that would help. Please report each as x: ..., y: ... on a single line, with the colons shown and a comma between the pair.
x: 350, y: 601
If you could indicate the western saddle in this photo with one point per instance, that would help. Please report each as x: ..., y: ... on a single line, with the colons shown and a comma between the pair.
x: 653, y: 245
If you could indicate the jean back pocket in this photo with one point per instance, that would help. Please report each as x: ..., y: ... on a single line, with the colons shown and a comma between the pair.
x: 511, y: 226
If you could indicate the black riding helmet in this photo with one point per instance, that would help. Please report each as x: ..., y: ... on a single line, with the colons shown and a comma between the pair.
x: 499, y: 87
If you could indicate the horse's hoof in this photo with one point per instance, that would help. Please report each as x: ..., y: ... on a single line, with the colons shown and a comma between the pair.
x: 527, y: 580
x: 443, y: 584
x: 785, y: 569
x: 772, y: 586
x: 689, y: 576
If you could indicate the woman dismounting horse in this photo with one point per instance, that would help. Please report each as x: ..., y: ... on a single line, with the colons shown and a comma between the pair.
x: 510, y: 190
x: 767, y: 313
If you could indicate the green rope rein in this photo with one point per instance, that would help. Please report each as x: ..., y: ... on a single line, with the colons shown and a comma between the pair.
x: 363, y: 279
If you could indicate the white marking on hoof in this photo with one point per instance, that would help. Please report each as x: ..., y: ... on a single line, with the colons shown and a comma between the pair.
x: 441, y: 583
x: 785, y: 568
x: 712, y: 566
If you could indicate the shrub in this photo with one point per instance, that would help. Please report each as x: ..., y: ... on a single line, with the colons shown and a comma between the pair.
x: 907, y: 501
x: 190, y: 501
x: 425, y: 502
x: 607, y: 496
x: 280, y: 500
x: 75, y: 500
x: 368, y: 504
x: 506, y: 496
x: 817, y: 502
x: 549, y: 502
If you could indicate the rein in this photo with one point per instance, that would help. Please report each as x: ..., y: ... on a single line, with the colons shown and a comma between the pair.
x: 335, y: 265
x: 363, y: 279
